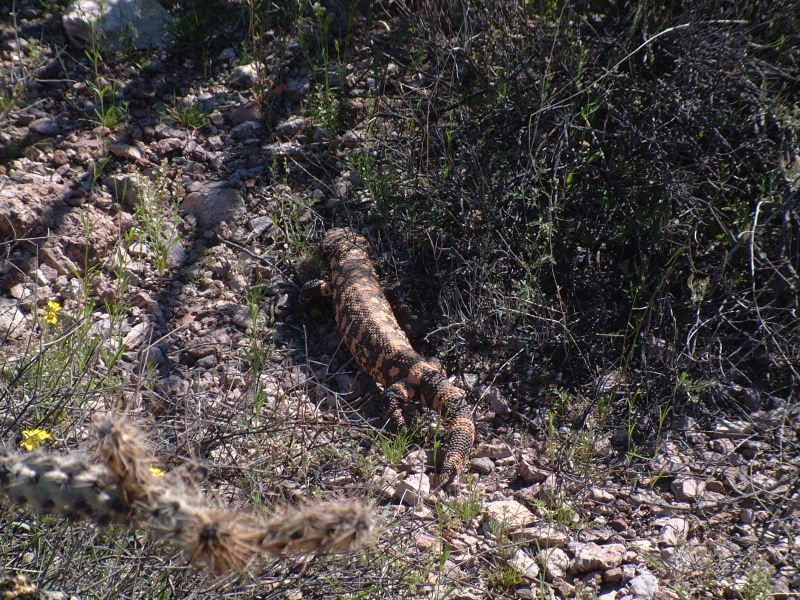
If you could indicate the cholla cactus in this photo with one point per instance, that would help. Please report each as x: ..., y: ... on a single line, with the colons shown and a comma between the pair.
x: 18, y: 587
x: 121, y: 486
x: 61, y: 484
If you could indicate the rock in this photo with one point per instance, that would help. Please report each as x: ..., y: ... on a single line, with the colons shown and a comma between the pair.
x: 259, y: 225
x: 126, y: 151
x: 213, y: 202
x: 494, y: 450
x: 424, y: 541
x: 227, y: 55
x: 415, y: 461
x: 544, y: 536
x: 628, y: 572
x: 154, y: 356
x: 413, y: 490
x: 595, y: 557
x: 250, y: 111
x: 610, y: 381
x: 125, y: 190
x: 497, y: 403
x: 600, y: 495
x: 283, y: 149
x: 12, y: 320
x: 613, y: 575
x: 729, y: 428
x: 641, y: 547
x: 246, y: 130
x: 138, y: 334
x: 506, y: 513
x: 750, y: 448
x: 298, y: 88
x: 482, y: 465
x: 687, y: 490
x: 555, y: 563
x: 168, y: 145
x: 244, y: 76
x: 644, y: 586
x: 29, y: 208
x: 18, y: 291
x: 674, y: 531
x: 45, y: 126
x: 722, y: 446
x: 525, y: 564
x: 117, y: 24
x: 291, y: 127
x: 530, y: 473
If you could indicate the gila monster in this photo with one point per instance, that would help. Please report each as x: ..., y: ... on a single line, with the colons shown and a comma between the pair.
x: 374, y: 338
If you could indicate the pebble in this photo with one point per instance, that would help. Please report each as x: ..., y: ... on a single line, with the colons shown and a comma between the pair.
x: 686, y: 490
x: 673, y: 531
x: 555, y: 563
x: 525, y: 564
x: 594, y: 557
x: 508, y: 513
x: 413, y: 490
x: 45, y: 126
x: 482, y: 465
x: 644, y: 586
x: 529, y: 473
x: 544, y: 536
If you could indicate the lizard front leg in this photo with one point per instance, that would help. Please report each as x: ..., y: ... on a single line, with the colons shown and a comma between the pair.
x: 314, y: 289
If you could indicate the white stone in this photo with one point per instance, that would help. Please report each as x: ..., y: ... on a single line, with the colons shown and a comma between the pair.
x: 687, y: 490
x: 243, y: 76
x: 555, y: 563
x: 413, y: 490
x: 729, y: 428
x: 525, y: 564
x: 415, y: 461
x: 644, y: 586
x: 12, y: 320
x: 126, y: 151
x: 117, y: 24
x: 674, y: 531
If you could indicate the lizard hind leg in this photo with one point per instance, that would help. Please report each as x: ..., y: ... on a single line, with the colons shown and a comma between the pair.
x: 399, y: 395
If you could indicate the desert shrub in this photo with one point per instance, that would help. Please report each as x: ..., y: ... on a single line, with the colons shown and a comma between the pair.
x: 599, y: 187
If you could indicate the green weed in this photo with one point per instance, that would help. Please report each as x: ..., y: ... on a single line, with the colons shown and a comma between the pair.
x: 394, y: 447
x: 191, y: 116
x: 459, y: 510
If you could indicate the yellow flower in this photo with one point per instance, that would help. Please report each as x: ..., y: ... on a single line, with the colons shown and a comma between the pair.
x: 157, y: 472
x: 51, y: 312
x: 33, y: 438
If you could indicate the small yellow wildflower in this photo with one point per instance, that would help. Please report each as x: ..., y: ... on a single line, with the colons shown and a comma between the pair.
x: 157, y: 472
x: 33, y: 438
x: 51, y: 312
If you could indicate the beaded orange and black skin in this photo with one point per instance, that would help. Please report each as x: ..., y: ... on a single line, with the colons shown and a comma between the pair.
x: 375, y: 339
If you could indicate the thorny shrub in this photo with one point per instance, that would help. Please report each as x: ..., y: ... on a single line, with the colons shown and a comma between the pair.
x: 601, y: 194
